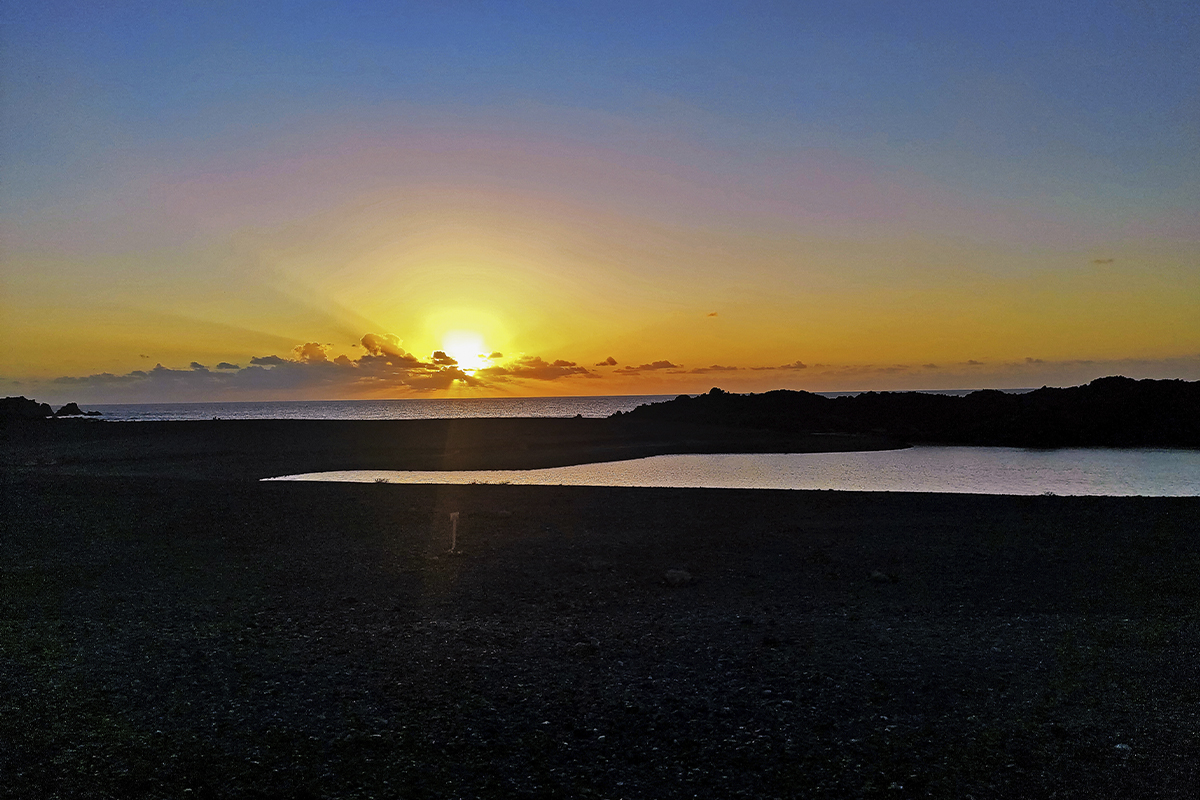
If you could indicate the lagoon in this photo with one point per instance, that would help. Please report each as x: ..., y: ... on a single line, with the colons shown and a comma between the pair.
x: 957, y: 470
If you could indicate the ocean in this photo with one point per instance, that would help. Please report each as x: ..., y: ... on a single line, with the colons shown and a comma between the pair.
x: 423, y: 408
x: 409, y: 408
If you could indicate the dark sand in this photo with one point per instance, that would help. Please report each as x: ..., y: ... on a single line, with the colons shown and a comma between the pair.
x: 168, y: 623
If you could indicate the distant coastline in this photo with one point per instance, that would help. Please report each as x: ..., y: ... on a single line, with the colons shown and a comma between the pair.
x: 1108, y: 412
x: 592, y: 406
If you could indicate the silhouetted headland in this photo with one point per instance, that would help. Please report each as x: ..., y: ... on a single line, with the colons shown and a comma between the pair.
x: 22, y: 408
x: 1108, y: 412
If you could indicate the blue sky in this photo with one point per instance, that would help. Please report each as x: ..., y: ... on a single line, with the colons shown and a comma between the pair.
x: 1103, y: 95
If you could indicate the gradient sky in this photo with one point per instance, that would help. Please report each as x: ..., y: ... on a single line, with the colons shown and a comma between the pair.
x: 275, y: 200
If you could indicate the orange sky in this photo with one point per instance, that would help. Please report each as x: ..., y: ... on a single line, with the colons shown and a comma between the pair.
x: 226, y: 247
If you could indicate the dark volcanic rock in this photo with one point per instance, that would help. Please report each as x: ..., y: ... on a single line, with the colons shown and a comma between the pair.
x: 21, y: 408
x: 73, y: 410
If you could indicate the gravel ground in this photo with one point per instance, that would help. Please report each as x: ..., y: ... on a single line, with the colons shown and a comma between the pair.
x: 222, y: 638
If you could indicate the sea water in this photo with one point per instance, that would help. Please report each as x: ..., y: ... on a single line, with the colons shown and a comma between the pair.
x: 420, y: 408
x: 408, y: 408
x: 959, y: 470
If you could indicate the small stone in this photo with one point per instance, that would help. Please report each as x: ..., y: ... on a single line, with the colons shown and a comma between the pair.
x: 677, y: 577
x: 592, y: 645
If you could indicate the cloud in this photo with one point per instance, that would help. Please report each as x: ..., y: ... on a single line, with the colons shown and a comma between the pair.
x: 311, y: 353
x: 851, y: 370
x: 713, y: 368
x: 494, y: 355
x: 102, y: 379
x: 440, y: 379
x: 382, y: 345
x: 1033, y: 360
x: 973, y: 363
x: 608, y: 362
x: 384, y: 353
x: 534, y: 368
x: 931, y: 366
x: 651, y: 367
x: 792, y: 366
x: 1102, y: 260
x: 711, y: 314
x: 385, y: 367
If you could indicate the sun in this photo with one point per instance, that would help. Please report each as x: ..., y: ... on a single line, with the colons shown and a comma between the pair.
x: 467, y: 348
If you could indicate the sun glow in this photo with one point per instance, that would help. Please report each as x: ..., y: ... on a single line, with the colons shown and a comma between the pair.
x: 467, y: 348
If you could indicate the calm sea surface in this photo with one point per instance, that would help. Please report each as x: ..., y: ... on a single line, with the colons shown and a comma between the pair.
x: 427, y: 408
x: 382, y: 409
x: 959, y: 470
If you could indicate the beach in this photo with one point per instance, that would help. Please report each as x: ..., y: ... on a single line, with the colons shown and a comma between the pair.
x: 170, y: 623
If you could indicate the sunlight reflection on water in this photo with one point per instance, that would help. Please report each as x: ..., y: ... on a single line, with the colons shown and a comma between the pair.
x: 959, y: 470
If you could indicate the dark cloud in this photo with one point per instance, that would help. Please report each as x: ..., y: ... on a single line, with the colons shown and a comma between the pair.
x: 143, y: 355
x: 1102, y: 261
x: 608, y: 362
x: 1033, y: 360
x: 853, y: 370
x: 713, y: 368
x: 651, y: 367
x: 793, y: 365
x: 101, y: 379
x: 712, y: 314
x: 384, y: 367
x: 384, y: 355
x: 931, y: 366
x: 533, y: 368
x: 440, y: 379
x: 494, y: 355
x: 973, y: 363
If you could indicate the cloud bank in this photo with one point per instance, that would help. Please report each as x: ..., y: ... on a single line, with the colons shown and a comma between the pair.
x: 308, y: 371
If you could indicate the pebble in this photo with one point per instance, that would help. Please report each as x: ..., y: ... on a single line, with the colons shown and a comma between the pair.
x: 677, y: 577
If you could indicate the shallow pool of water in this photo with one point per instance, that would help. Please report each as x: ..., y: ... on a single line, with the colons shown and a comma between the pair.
x: 962, y: 470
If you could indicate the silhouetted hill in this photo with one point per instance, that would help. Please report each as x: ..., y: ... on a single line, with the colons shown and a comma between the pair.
x: 20, y: 408
x: 1109, y: 412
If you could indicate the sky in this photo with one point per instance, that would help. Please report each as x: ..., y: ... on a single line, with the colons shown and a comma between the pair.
x: 322, y: 200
